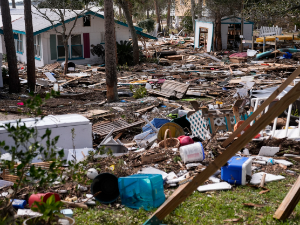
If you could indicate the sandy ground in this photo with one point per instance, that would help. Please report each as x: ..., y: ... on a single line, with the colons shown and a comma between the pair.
x: 10, y: 116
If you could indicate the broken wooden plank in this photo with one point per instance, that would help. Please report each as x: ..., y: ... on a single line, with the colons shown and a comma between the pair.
x: 289, y: 202
x: 262, y: 107
x: 154, y: 158
x: 183, y: 192
x: 145, y: 109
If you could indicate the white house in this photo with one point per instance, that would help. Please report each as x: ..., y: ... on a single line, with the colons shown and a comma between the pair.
x: 230, y: 32
x: 48, y: 45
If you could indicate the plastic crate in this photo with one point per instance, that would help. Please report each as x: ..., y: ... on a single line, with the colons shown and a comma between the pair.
x: 142, y: 190
x: 236, y: 170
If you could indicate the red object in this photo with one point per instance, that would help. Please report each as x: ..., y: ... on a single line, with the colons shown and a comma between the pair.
x: 185, y: 140
x: 86, y: 45
x: 236, y: 126
x: 37, y: 198
x: 257, y: 136
x: 20, y: 103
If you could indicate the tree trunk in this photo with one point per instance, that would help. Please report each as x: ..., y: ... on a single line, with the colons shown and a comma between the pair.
x: 30, y: 53
x: 148, y: 14
x: 66, y: 56
x: 120, y: 12
x: 13, y: 2
x: 218, y: 32
x: 193, y: 13
x: 125, y: 6
x: 14, y: 83
x: 169, y: 14
x: 110, y: 52
x: 157, y: 15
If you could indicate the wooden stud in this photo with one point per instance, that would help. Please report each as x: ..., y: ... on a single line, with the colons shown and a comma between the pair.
x: 236, y: 113
x: 212, y: 123
x: 228, y: 122
x: 262, y: 107
x: 185, y: 190
x: 289, y: 203
x: 264, y: 44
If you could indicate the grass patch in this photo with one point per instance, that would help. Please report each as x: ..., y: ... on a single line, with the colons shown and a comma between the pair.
x: 206, y: 208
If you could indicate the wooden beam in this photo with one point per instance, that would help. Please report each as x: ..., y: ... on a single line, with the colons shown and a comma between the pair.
x: 236, y: 113
x: 184, y: 191
x: 289, y: 203
x: 262, y: 107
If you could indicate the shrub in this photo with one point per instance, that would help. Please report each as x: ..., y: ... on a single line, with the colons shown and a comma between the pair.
x: 147, y: 24
x: 125, y: 53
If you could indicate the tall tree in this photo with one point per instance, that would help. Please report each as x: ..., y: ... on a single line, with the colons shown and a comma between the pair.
x: 13, y: 2
x: 157, y: 11
x: 193, y: 13
x: 30, y: 53
x: 169, y: 14
x: 126, y: 6
x: 14, y: 83
x: 110, y: 52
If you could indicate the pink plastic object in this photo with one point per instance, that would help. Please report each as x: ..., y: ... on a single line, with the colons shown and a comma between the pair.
x: 37, y: 198
x: 20, y: 103
x: 185, y: 140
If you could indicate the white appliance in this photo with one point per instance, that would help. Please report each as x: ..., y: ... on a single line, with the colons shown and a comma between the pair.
x: 61, y: 126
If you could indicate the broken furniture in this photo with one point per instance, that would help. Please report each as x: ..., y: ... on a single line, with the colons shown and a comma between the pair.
x: 6, y: 175
x: 170, y: 89
x: 60, y: 125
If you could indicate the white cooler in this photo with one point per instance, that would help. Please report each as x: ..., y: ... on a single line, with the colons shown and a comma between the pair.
x: 61, y: 126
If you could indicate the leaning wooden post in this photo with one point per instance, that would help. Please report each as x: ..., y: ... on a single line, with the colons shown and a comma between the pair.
x: 289, y: 203
x: 264, y: 44
x: 262, y: 107
x: 187, y: 189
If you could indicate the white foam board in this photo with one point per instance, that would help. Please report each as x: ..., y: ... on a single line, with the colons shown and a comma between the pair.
x: 268, y: 151
x: 256, y: 178
x: 214, y: 187
x: 283, y: 162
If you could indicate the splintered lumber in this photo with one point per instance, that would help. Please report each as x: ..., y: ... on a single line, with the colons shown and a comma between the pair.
x: 262, y: 107
x: 174, y: 57
x: 289, y: 202
x: 75, y: 205
x: 183, y: 192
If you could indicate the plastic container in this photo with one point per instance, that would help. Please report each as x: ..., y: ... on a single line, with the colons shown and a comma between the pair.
x: 192, y: 153
x: 236, y: 170
x: 142, y: 190
x: 67, y: 212
x: 107, y: 183
x: 19, y: 204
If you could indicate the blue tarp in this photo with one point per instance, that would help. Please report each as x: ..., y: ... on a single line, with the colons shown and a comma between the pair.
x: 157, y: 123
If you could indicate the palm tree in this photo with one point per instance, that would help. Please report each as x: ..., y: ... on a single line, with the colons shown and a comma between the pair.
x: 14, y: 83
x: 110, y: 52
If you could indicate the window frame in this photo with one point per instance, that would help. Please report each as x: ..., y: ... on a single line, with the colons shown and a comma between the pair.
x: 90, y: 20
x: 80, y: 57
x: 70, y: 57
x: 38, y: 44
x: 19, y: 44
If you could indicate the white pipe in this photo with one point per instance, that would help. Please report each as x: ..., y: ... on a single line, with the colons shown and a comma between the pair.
x: 288, y: 120
x: 274, y: 126
x: 255, y: 108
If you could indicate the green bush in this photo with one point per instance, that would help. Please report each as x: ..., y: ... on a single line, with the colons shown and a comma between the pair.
x: 147, y: 24
x: 187, y: 23
x: 125, y: 53
x: 139, y: 92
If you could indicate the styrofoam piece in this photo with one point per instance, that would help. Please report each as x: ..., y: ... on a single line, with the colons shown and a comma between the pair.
x: 260, y: 162
x: 77, y: 74
x: 50, y: 76
x: 283, y: 162
x: 190, y: 165
x: 146, y: 138
x: 214, y: 179
x: 256, y: 178
x: 4, y: 183
x: 27, y: 212
x: 70, y: 154
x: 171, y: 176
x: 152, y: 170
x: 290, y: 155
x: 181, y: 178
x: 214, y: 187
x: 268, y: 151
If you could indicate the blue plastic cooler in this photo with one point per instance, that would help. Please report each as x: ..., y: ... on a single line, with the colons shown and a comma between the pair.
x: 236, y: 170
x: 142, y: 190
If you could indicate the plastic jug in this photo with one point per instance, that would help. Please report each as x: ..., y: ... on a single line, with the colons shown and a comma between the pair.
x: 192, y: 153
x: 142, y: 190
x: 185, y: 140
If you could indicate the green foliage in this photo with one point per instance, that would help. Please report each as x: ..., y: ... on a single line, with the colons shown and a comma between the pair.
x: 62, y: 4
x: 98, y: 50
x: 177, y: 159
x: 27, y: 146
x: 187, y: 23
x: 295, y: 112
x: 138, y: 92
x: 125, y: 53
x: 4, y: 57
x: 50, y: 211
x: 4, y: 72
x: 147, y: 24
